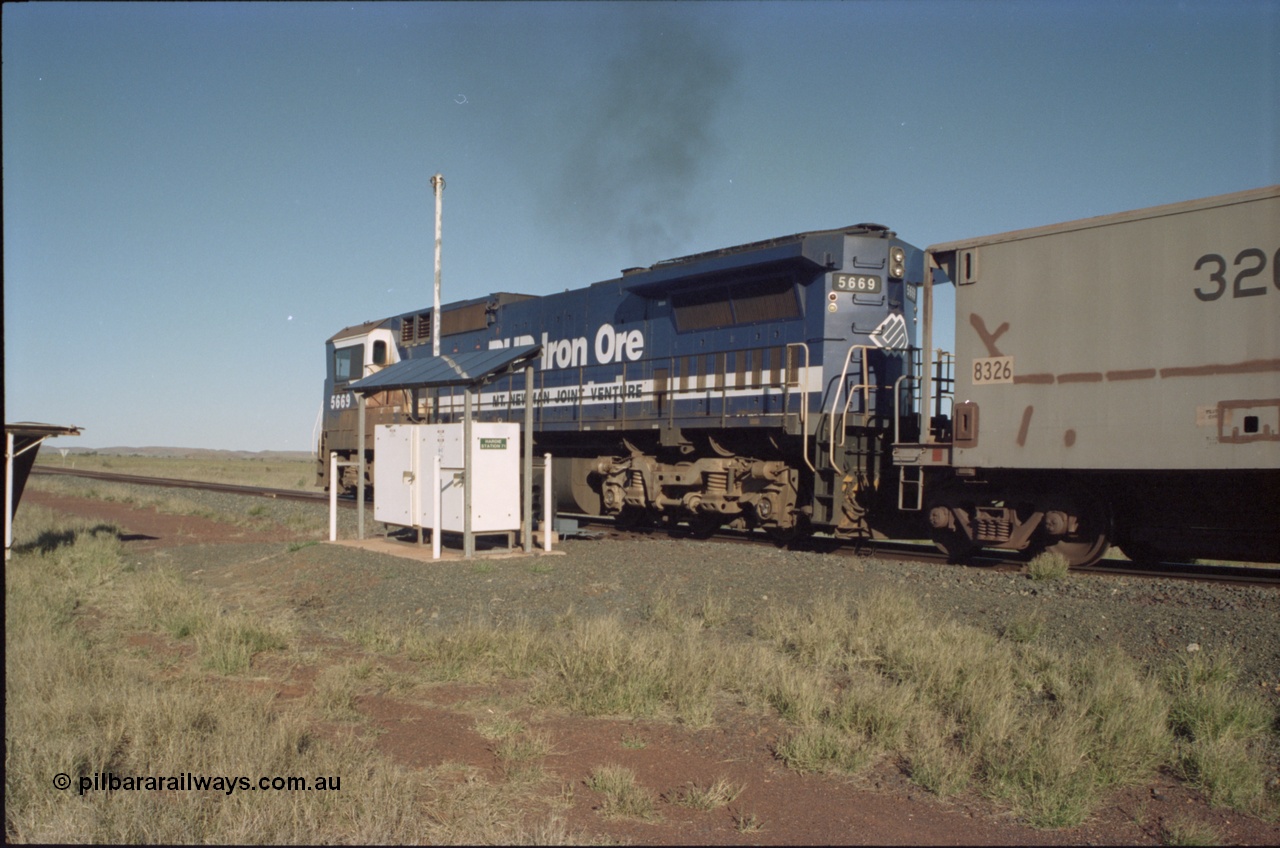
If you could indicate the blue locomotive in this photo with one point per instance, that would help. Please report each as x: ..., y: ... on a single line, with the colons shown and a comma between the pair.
x: 758, y: 386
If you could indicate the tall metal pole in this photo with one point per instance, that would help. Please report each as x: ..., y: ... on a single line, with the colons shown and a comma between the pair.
x: 437, y: 183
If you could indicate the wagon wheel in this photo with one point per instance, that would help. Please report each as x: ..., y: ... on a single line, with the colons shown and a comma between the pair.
x: 1092, y: 538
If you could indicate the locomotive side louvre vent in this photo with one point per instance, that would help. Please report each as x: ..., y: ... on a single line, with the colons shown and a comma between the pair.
x: 473, y: 317
x: 766, y: 300
x: 417, y: 330
x: 704, y: 308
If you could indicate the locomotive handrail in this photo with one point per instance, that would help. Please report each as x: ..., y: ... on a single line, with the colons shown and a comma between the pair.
x: 835, y: 401
x: 804, y: 402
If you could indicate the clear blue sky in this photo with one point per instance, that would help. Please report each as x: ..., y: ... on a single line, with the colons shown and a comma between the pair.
x: 197, y: 195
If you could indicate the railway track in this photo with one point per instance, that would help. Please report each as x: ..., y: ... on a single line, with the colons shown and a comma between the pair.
x: 172, y: 483
x: 916, y: 552
x: 927, y: 552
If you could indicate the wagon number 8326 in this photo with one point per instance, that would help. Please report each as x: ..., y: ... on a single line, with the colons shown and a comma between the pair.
x: 993, y: 369
x: 1251, y: 262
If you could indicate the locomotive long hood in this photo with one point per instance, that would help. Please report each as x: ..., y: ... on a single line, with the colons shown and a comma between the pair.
x: 818, y: 249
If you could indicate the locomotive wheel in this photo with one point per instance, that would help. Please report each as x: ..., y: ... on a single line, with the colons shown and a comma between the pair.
x: 1088, y: 544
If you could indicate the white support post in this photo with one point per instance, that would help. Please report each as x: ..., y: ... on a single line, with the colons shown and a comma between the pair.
x: 546, y: 502
x: 468, y: 538
x: 333, y: 496
x: 361, y: 466
x: 436, y: 510
x: 8, y: 494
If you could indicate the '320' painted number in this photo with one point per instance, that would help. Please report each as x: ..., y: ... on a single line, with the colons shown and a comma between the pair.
x: 1250, y: 262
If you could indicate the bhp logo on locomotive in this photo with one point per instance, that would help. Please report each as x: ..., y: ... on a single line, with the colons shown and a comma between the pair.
x: 610, y: 346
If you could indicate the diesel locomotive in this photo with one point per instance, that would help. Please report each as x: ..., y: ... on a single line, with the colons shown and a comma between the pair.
x: 758, y: 386
x: 1116, y: 381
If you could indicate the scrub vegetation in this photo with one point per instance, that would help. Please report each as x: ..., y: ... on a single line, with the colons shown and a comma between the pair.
x: 115, y: 668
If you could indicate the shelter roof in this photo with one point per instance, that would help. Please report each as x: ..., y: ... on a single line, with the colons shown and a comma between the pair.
x: 33, y: 428
x: 447, y: 369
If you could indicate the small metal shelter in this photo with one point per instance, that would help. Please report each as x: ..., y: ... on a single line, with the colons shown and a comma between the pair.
x: 471, y: 370
x: 21, y: 444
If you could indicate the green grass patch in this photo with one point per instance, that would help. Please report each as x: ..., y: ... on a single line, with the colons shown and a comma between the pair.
x: 622, y: 795
x: 719, y: 793
x: 1048, y: 566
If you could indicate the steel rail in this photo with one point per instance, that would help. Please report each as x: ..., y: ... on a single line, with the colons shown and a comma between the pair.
x: 907, y: 551
x: 987, y: 561
x: 173, y: 483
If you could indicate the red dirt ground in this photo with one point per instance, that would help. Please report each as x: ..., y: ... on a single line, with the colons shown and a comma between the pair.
x: 791, y: 808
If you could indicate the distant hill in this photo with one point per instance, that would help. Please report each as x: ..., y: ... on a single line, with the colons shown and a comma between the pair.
x: 182, y: 453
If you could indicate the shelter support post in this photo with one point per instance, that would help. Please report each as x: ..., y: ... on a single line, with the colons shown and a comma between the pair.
x: 468, y: 540
x: 360, y: 475
x: 8, y: 495
x: 436, y: 508
x: 546, y: 502
x: 527, y: 498
x: 333, y: 496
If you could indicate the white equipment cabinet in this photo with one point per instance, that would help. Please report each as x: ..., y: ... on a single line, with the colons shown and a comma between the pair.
x: 402, y: 490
